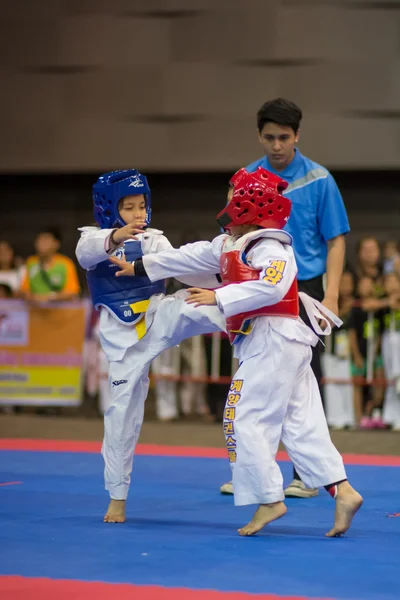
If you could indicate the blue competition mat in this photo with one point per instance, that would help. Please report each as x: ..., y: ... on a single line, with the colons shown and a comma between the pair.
x: 181, y: 532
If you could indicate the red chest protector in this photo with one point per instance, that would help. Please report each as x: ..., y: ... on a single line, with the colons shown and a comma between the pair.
x: 234, y: 270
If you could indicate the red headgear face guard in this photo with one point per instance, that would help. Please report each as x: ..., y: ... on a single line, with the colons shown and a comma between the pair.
x: 257, y: 200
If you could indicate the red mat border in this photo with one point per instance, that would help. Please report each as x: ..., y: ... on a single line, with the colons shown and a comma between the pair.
x: 33, y: 445
x: 32, y: 588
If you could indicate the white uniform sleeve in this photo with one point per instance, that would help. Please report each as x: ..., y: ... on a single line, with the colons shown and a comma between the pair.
x: 92, y: 246
x: 154, y: 242
x: 278, y: 270
x: 200, y: 257
x: 159, y: 243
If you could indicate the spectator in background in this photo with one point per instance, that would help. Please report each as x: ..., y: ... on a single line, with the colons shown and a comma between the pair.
x: 5, y: 294
x: 391, y: 351
x: 10, y: 273
x: 391, y: 286
x: 369, y: 264
x: 365, y: 329
x: 391, y: 257
x: 49, y: 276
x: 336, y: 362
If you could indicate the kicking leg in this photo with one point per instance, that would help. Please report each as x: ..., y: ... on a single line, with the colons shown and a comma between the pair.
x: 173, y: 322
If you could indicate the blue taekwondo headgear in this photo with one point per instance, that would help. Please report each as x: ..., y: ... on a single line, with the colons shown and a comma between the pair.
x: 110, y: 188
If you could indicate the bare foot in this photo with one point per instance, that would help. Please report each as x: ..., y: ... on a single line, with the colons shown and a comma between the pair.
x: 115, y: 512
x: 348, y: 501
x: 265, y: 513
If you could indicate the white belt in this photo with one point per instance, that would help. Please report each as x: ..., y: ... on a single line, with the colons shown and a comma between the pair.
x: 315, y: 310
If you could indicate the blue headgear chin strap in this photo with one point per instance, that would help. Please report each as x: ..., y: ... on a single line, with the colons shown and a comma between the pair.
x: 109, y: 190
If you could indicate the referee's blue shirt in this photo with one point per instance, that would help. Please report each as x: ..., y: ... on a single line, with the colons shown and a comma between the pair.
x: 318, y: 212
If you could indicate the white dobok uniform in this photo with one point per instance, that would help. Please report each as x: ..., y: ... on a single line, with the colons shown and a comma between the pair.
x: 391, y: 363
x: 274, y: 394
x: 168, y: 321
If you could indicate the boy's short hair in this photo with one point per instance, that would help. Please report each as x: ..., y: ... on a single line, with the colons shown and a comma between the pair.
x: 280, y: 111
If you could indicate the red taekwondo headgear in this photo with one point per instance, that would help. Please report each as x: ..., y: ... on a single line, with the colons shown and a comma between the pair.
x: 257, y: 200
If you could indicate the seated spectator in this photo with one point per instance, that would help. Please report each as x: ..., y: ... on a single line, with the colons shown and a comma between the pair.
x: 369, y: 264
x: 10, y: 273
x: 365, y: 329
x: 49, y: 276
x: 391, y: 257
x: 391, y: 284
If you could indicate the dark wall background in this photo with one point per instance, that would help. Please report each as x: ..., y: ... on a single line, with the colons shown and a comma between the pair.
x: 174, y: 85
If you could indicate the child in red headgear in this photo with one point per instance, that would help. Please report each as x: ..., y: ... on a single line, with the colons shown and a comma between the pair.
x: 274, y: 394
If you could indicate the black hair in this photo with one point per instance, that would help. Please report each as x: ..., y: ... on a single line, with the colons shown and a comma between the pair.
x: 7, y: 290
x: 280, y: 111
x: 54, y: 231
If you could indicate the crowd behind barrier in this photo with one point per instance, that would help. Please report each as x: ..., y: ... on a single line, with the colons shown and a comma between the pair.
x: 50, y: 352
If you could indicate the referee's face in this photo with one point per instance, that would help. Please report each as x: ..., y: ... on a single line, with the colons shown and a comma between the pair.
x: 278, y: 142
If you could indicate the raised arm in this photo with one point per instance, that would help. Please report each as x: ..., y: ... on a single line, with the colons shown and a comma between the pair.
x: 93, y: 246
x: 199, y: 257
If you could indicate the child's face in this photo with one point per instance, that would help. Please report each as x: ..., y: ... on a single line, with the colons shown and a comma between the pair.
x: 46, y: 244
x: 346, y: 287
x: 365, y: 287
x: 133, y: 209
x: 391, y: 284
x: 390, y: 249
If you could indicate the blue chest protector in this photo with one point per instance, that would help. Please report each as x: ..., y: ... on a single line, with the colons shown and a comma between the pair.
x: 126, y: 297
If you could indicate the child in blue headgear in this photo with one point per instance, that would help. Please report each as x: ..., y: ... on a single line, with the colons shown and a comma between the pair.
x: 137, y: 320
